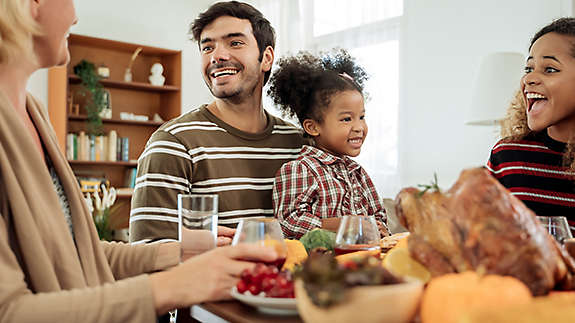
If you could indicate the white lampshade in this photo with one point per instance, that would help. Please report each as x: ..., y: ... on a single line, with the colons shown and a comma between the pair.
x: 498, y: 79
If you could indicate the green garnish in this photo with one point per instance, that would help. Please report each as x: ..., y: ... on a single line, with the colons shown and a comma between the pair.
x: 432, y: 186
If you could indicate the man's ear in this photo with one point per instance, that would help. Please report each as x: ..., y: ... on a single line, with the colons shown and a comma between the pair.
x: 267, y: 59
x: 34, y: 8
x: 311, y: 127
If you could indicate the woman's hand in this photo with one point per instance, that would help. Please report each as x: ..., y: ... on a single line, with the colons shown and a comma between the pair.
x: 206, y: 277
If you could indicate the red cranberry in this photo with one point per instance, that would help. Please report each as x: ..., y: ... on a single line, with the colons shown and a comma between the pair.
x: 254, y: 289
x: 246, y: 275
x: 268, y: 283
x: 242, y: 286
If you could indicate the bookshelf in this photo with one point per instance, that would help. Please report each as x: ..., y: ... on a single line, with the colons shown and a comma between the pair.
x: 136, y: 97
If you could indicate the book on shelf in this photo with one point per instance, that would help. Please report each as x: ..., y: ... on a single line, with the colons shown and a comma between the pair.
x: 119, y: 149
x: 112, y: 144
x: 92, y: 145
x: 124, y: 190
x: 109, y: 147
x: 82, y: 146
x: 125, y: 149
x: 130, y: 177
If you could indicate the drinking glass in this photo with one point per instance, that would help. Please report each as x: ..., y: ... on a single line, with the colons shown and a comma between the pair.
x: 356, y: 233
x: 557, y: 226
x: 197, y: 223
x: 265, y: 232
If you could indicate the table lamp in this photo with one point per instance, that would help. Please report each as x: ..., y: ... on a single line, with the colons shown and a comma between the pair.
x: 498, y: 79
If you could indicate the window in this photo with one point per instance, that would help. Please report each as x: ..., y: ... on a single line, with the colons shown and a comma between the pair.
x: 369, y: 30
x: 340, y: 15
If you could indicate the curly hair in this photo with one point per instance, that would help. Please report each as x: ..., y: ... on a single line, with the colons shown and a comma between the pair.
x: 263, y: 31
x: 304, y: 84
x: 514, y: 125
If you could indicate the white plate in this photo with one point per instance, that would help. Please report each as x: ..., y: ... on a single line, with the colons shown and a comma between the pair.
x: 269, y: 305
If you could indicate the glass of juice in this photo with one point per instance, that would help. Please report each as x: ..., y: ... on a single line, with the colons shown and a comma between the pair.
x: 557, y: 226
x: 197, y: 223
x: 263, y: 231
x: 357, y: 233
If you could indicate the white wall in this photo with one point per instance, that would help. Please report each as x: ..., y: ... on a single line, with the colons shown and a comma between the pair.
x: 149, y: 22
x: 442, y: 44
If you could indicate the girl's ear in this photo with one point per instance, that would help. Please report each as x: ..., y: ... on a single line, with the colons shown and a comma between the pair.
x: 311, y: 127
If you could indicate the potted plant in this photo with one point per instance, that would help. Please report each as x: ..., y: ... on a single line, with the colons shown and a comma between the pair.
x: 101, y: 208
x: 94, y: 93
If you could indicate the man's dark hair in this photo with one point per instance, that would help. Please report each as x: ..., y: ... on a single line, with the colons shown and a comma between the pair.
x: 562, y: 26
x: 262, y: 29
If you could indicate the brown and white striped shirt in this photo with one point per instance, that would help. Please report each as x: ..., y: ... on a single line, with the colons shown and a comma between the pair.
x: 198, y: 153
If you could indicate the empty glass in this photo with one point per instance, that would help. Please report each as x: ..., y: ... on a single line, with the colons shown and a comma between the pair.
x: 198, y: 223
x: 356, y: 233
x: 557, y: 226
x: 263, y: 231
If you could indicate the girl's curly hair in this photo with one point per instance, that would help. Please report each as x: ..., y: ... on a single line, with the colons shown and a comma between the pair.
x: 304, y: 84
x: 514, y: 125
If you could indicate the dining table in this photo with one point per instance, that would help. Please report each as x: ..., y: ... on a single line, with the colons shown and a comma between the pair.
x: 235, y: 311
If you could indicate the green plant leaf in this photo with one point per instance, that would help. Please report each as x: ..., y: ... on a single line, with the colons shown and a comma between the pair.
x: 95, y: 95
x: 432, y: 186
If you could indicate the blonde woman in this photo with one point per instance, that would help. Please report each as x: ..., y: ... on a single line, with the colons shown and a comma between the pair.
x: 53, y: 268
x: 535, y: 158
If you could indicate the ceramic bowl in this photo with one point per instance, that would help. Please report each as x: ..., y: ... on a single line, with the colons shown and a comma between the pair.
x: 386, y: 303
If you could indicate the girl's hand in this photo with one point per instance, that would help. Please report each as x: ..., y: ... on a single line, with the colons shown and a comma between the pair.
x: 384, y: 232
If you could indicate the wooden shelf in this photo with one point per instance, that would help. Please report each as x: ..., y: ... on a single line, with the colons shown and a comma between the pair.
x: 120, y: 46
x: 137, y: 97
x: 102, y: 163
x: 124, y: 192
x: 116, y: 121
x: 139, y: 86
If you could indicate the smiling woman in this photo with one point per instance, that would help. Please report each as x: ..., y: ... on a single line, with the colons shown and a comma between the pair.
x: 536, y: 163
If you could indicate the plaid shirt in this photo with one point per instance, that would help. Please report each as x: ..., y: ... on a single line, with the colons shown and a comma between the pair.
x: 317, y: 186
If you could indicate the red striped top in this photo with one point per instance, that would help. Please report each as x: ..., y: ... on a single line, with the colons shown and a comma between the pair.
x: 532, y: 170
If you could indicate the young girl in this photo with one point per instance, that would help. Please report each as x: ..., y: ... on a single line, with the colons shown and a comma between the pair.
x: 325, y: 94
x: 535, y: 158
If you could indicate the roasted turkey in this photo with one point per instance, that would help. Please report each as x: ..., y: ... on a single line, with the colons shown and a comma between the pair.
x: 478, y: 225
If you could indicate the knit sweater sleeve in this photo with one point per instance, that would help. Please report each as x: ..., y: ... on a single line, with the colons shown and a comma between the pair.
x: 127, y: 261
x: 128, y: 300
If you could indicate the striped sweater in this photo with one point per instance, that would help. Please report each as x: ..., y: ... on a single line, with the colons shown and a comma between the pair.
x: 198, y: 153
x: 532, y: 170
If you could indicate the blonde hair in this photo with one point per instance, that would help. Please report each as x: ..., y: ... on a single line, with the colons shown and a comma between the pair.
x: 514, y: 127
x: 17, y: 26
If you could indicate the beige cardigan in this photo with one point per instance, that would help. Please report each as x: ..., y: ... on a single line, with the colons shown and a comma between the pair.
x: 44, y: 275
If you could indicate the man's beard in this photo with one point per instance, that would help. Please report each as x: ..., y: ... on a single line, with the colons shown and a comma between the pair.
x: 225, y: 94
x: 232, y: 94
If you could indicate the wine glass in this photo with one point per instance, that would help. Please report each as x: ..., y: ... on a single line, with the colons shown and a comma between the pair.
x: 357, y: 233
x: 557, y: 226
x: 265, y: 232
